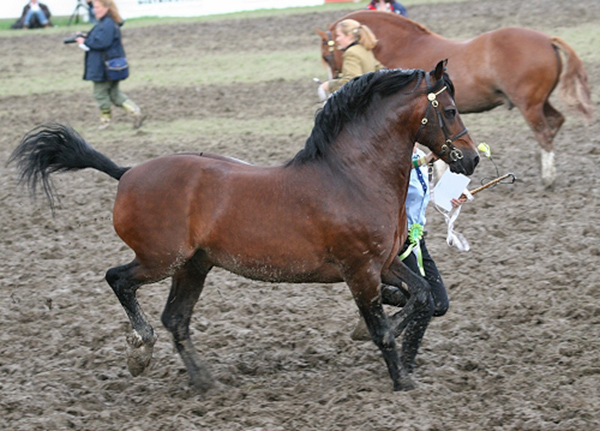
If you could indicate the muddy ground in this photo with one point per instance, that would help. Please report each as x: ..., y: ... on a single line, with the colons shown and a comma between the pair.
x: 518, y: 349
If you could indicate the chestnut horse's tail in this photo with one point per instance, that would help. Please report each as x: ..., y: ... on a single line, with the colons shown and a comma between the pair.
x: 53, y: 148
x: 575, y: 89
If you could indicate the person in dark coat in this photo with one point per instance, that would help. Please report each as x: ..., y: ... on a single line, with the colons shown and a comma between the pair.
x: 387, y: 6
x: 103, y: 43
x: 35, y: 15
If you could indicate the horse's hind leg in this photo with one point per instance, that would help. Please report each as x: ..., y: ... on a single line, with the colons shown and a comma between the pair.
x: 554, y: 117
x: 125, y: 280
x: 545, y: 122
x: 186, y: 287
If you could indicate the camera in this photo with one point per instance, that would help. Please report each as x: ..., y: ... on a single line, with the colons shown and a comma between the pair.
x: 72, y: 39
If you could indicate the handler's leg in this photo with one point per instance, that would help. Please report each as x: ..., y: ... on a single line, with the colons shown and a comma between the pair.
x: 414, y: 332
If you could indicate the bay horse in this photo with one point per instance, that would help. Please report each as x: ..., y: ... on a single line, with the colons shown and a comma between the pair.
x: 335, y: 212
x: 509, y: 66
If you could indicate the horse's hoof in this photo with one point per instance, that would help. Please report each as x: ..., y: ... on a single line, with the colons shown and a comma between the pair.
x: 404, y: 384
x: 139, y: 354
x: 203, y: 383
x: 138, y: 359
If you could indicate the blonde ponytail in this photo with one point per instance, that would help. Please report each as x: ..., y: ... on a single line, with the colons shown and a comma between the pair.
x: 361, y: 33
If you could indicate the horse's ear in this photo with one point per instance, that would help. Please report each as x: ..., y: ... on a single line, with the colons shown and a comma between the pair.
x: 439, y: 69
x: 322, y: 34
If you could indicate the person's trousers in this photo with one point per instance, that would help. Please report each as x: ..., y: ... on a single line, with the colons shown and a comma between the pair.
x: 38, y: 13
x: 432, y: 275
x: 107, y: 93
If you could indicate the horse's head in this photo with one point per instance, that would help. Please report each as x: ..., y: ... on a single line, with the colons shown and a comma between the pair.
x: 441, y: 128
x: 332, y: 57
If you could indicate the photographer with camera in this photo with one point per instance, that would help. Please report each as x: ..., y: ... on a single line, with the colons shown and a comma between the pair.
x: 101, y: 44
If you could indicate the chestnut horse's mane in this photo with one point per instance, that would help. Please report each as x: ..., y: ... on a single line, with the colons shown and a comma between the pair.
x: 347, y: 104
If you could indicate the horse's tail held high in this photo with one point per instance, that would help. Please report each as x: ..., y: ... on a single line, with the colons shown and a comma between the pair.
x: 574, y: 89
x: 54, y: 147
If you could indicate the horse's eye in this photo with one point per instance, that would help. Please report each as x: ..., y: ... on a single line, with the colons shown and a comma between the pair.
x: 450, y: 113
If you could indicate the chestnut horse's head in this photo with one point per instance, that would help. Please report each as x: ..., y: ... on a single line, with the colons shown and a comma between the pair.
x: 441, y: 128
x: 332, y: 57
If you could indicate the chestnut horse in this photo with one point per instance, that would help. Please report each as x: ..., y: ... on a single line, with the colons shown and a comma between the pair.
x: 335, y: 212
x: 510, y: 66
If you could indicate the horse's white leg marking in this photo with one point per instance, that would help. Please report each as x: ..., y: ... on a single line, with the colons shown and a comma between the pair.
x: 548, y: 168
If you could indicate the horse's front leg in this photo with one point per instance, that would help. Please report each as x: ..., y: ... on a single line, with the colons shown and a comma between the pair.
x: 125, y: 280
x: 414, y: 318
x: 368, y: 300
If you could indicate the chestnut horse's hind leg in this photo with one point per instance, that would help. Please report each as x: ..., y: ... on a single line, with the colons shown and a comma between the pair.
x: 186, y: 287
x: 125, y: 280
x: 555, y: 118
x: 545, y: 122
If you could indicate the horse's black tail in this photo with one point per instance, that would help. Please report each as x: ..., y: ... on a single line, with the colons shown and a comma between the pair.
x: 53, y: 148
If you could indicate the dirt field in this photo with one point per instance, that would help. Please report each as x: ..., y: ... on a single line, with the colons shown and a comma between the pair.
x: 518, y: 350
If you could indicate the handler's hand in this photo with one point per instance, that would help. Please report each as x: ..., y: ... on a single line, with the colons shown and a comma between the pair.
x: 458, y: 202
x: 430, y: 157
x: 80, y: 40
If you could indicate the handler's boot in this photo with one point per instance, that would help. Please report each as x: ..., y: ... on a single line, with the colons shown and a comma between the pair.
x: 105, y: 118
x: 135, y: 111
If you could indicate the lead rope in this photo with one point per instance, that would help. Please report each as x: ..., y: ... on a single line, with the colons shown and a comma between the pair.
x: 415, y: 234
x: 416, y: 231
x: 453, y: 238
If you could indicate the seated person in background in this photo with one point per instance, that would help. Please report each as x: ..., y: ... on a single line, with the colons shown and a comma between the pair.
x: 387, y: 6
x: 34, y: 15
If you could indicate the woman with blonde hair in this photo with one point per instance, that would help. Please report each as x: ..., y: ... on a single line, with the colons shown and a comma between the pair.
x: 101, y: 44
x: 357, y: 41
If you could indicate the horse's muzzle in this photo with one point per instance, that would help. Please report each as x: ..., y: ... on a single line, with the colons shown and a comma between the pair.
x: 466, y: 165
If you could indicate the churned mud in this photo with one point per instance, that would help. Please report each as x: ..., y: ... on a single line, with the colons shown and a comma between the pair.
x: 518, y: 349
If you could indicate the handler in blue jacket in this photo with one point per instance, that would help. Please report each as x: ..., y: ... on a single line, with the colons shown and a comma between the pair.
x: 104, y: 43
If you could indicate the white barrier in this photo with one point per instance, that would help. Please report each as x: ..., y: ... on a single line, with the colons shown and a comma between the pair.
x: 172, y: 8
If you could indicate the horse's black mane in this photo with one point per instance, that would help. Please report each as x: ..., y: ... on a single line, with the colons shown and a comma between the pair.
x: 351, y: 102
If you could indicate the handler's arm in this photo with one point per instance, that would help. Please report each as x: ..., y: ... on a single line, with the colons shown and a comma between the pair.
x: 102, y: 37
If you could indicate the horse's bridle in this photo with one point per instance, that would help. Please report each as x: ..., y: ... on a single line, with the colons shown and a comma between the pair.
x: 455, y: 153
x: 330, y: 56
